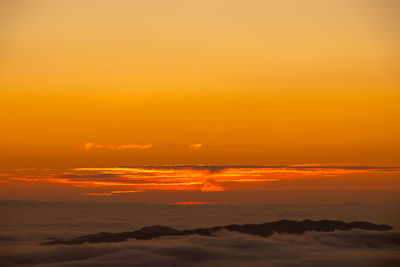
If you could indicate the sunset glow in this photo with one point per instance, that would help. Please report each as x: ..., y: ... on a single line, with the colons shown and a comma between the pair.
x: 207, y: 97
x: 199, y: 133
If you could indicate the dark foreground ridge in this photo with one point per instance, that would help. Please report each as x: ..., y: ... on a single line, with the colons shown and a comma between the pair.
x: 263, y: 230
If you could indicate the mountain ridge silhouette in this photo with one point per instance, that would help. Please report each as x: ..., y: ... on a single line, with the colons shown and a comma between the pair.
x: 262, y: 230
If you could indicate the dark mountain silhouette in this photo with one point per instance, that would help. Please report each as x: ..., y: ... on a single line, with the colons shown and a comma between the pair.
x: 263, y: 230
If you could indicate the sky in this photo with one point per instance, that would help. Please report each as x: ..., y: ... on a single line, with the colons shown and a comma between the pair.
x: 103, y: 84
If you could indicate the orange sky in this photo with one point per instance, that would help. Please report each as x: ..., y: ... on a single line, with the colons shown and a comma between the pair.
x: 115, y: 83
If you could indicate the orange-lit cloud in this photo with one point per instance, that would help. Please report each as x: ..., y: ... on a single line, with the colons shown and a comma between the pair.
x: 112, y: 193
x: 245, y: 180
x: 136, y: 146
x: 195, y: 146
x: 204, y: 178
x: 211, y: 187
x: 89, y: 146
x: 193, y: 203
x: 125, y: 192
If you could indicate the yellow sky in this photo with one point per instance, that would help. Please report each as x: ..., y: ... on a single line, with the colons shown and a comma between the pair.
x: 253, y: 82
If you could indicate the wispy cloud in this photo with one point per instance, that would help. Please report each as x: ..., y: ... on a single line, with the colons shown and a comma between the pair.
x: 210, y: 186
x: 125, y: 192
x: 206, y: 178
x: 195, y: 146
x: 89, y: 146
x: 194, y: 203
x: 136, y: 146
x: 112, y: 193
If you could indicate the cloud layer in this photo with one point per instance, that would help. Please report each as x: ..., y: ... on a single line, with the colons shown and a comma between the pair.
x: 356, y: 248
x: 206, y: 178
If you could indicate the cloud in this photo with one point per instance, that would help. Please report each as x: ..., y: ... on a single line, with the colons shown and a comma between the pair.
x: 112, y: 193
x: 195, y: 146
x: 211, y: 187
x: 296, y: 168
x: 194, y: 203
x: 202, y: 177
x: 87, y: 176
x: 89, y: 146
x: 355, y: 248
x: 125, y: 191
x: 136, y: 146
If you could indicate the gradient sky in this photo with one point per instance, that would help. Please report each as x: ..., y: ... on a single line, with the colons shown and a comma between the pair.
x: 103, y: 84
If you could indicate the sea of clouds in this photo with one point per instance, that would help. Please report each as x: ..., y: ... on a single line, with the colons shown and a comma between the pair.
x: 355, y: 248
x: 25, y: 225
